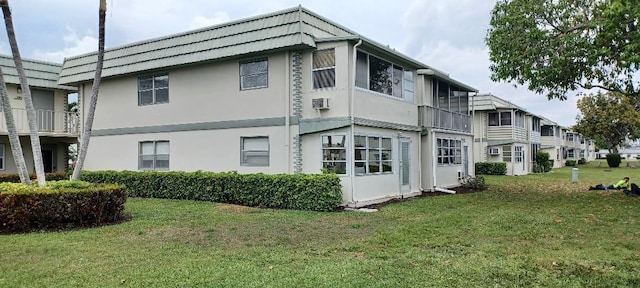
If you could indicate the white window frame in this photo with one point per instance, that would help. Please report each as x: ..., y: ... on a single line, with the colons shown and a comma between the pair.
x: 153, y: 89
x: 518, y: 154
x: 507, y: 153
x: 322, y: 69
x: 3, y: 157
x: 402, y: 81
x: 154, y: 155
x: 258, y: 73
x: 326, y: 163
x: 380, y: 150
x: 449, y: 153
x: 244, y: 152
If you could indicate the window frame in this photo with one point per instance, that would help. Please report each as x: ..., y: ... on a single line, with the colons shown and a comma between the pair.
x: 368, y: 149
x: 3, y: 157
x: 153, y: 89
x: 344, y: 148
x: 243, y: 151
x: 265, y: 72
x: 518, y: 154
x: 322, y: 69
x: 154, y: 155
x: 393, y: 84
x: 449, y: 154
x: 507, y: 153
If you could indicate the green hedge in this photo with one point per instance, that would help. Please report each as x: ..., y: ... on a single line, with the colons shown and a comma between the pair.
x: 570, y: 163
x: 317, y: 192
x: 491, y: 168
x: 15, y: 178
x: 29, y: 207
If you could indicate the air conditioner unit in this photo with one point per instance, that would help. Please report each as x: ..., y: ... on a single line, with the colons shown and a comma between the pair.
x: 320, y: 103
x: 494, y: 151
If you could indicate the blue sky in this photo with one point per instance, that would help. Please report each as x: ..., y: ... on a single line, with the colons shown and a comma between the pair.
x: 446, y: 34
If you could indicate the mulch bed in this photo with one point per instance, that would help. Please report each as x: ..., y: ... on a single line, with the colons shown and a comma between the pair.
x: 459, y: 190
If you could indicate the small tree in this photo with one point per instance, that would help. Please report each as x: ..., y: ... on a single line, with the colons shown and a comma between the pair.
x: 542, y: 162
x: 614, y: 160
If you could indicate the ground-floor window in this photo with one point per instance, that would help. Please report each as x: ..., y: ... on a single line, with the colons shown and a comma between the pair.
x: 506, y: 153
x: 449, y: 151
x: 334, y: 153
x: 372, y: 155
x: 518, y: 154
x: 254, y: 151
x: 2, y: 157
x: 153, y: 155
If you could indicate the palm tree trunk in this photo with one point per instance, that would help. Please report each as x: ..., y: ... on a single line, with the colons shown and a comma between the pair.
x: 14, y: 139
x: 26, y: 93
x: 86, y: 129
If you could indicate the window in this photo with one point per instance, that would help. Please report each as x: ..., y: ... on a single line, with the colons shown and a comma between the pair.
x: 519, y: 119
x: 334, y: 153
x: 500, y: 119
x: 254, y: 74
x: 384, y: 77
x: 518, y: 155
x: 254, y: 151
x: 535, y: 124
x: 2, y: 157
x: 546, y: 131
x: 153, y: 89
x: 534, y: 150
x: 449, y: 151
x: 154, y: 155
x: 372, y: 155
x: 570, y: 154
x: 569, y: 136
x: 506, y: 153
x: 324, y: 69
x: 505, y: 118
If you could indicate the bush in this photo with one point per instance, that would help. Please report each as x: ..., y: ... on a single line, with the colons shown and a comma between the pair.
x: 15, y: 178
x: 491, y: 168
x: 28, y: 207
x: 582, y: 161
x: 570, y: 163
x: 317, y: 192
x: 613, y: 160
x: 477, y: 182
x: 543, y: 163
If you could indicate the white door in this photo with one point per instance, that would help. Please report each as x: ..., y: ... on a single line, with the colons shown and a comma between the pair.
x: 405, y: 167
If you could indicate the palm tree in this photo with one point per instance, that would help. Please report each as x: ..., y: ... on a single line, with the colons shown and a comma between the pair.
x: 14, y: 139
x: 26, y: 94
x: 86, y: 130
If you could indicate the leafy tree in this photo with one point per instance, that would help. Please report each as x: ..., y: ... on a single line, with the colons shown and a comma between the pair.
x: 34, y: 135
x: 608, y: 117
x: 556, y: 46
x: 86, y: 131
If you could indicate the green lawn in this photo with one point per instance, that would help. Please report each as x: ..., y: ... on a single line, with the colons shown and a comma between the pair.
x: 536, y: 230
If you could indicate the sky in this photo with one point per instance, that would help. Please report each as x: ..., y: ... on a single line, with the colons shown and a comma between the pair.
x: 444, y: 34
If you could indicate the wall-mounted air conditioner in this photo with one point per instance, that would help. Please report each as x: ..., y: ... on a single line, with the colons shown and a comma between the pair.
x: 320, y: 103
x: 494, y: 151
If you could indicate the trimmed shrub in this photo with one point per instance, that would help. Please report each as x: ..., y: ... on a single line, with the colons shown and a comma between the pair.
x: 582, y: 161
x: 570, y: 163
x: 477, y: 183
x: 491, y: 168
x: 15, y: 178
x: 614, y: 160
x: 28, y: 207
x: 543, y: 163
x: 317, y: 192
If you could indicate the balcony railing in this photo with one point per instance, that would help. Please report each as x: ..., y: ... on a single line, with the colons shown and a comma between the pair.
x: 54, y: 122
x: 432, y: 117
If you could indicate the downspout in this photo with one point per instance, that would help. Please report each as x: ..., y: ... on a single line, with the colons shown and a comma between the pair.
x: 352, y: 93
x: 287, y: 115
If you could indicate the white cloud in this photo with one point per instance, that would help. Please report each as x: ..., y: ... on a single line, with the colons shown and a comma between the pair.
x: 74, y: 45
x: 201, y: 21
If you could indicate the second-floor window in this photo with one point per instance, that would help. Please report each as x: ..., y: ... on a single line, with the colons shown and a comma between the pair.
x: 153, y: 89
x: 500, y: 119
x: 382, y: 76
x: 324, y: 68
x: 569, y: 137
x: 254, y: 74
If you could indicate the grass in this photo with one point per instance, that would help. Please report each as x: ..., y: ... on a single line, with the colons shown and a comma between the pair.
x: 535, y: 230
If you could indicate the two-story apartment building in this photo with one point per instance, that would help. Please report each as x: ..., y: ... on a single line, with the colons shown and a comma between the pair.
x: 505, y: 132
x: 285, y: 92
x: 58, y: 128
x: 553, y: 141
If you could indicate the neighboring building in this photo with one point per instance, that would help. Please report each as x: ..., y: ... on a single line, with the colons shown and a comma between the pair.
x: 285, y: 92
x: 553, y: 141
x: 58, y: 128
x: 631, y: 153
x: 505, y: 132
